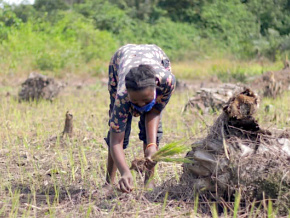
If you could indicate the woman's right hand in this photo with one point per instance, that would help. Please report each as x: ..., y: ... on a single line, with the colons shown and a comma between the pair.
x: 126, y: 182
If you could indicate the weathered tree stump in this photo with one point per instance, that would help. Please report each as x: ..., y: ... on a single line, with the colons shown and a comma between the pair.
x: 68, y: 125
x: 38, y: 87
x: 238, y: 154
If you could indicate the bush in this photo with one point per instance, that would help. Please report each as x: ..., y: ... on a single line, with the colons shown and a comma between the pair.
x: 68, y: 43
x: 50, y: 5
x: 230, y: 25
x: 174, y: 38
x: 54, y: 35
x: 105, y: 15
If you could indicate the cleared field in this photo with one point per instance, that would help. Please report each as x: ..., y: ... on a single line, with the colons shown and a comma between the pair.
x: 44, y: 175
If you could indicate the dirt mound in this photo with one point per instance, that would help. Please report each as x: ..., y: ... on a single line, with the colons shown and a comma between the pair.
x: 38, y: 86
x: 211, y: 99
x: 238, y: 154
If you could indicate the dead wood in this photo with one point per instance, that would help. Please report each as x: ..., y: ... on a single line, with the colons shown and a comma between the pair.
x: 270, y: 84
x: 211, y: 99
x: 38, y: 86
x: 273, y: 83
x: 68, y: 125
x: 138, y: 164
x: 238, y: 154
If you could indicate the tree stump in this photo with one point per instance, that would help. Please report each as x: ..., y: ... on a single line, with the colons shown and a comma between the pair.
x: 238, y: 154
x: 68, y: 125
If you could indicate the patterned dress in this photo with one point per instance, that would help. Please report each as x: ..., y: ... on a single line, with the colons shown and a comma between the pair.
x: 123, y: 60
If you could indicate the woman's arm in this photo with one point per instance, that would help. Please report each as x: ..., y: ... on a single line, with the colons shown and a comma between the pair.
x: 117, y: 152
x: 152, y: 119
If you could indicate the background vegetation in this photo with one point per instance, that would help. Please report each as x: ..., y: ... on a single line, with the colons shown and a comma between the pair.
x: 66, y: 35
x: 43, y: 175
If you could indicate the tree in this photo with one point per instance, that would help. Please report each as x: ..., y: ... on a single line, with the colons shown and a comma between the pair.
x: 183, y: 10
x: 147, y: 10
x: 50, y: 5
x: 274, y: 14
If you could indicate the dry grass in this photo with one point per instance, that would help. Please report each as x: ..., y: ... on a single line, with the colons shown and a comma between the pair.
x: 223, y: 69
x: 42, y: 175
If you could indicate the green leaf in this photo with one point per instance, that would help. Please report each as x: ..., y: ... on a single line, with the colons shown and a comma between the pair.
x: 165, y: 153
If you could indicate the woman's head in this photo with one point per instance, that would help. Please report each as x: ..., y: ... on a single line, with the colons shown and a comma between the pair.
x: 140, y: 78
x: 141, y: 83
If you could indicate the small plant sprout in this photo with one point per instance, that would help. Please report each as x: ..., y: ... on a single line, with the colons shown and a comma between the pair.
x: 165, y: 153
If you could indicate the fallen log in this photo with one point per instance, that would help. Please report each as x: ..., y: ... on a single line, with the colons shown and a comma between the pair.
x: 211, y: 99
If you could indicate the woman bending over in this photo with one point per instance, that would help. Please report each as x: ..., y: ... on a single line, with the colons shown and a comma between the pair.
x: 140, y: 84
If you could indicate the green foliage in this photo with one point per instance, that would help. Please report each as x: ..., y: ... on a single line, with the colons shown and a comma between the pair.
x: 105, y: 15
x: 174, y: 38
x: 25, y: 12
x: 50, y: 5
x: 8, y: 18
x: 183, y: 10
x: 272, y: 44
x: 229, y: 24
x: 146, y: 10
x: 271, y: 14
x: 65, y: 34
x: 237, y: 74
x: 237, y: 203
x: 71, y: 42
x: 166, y: 152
